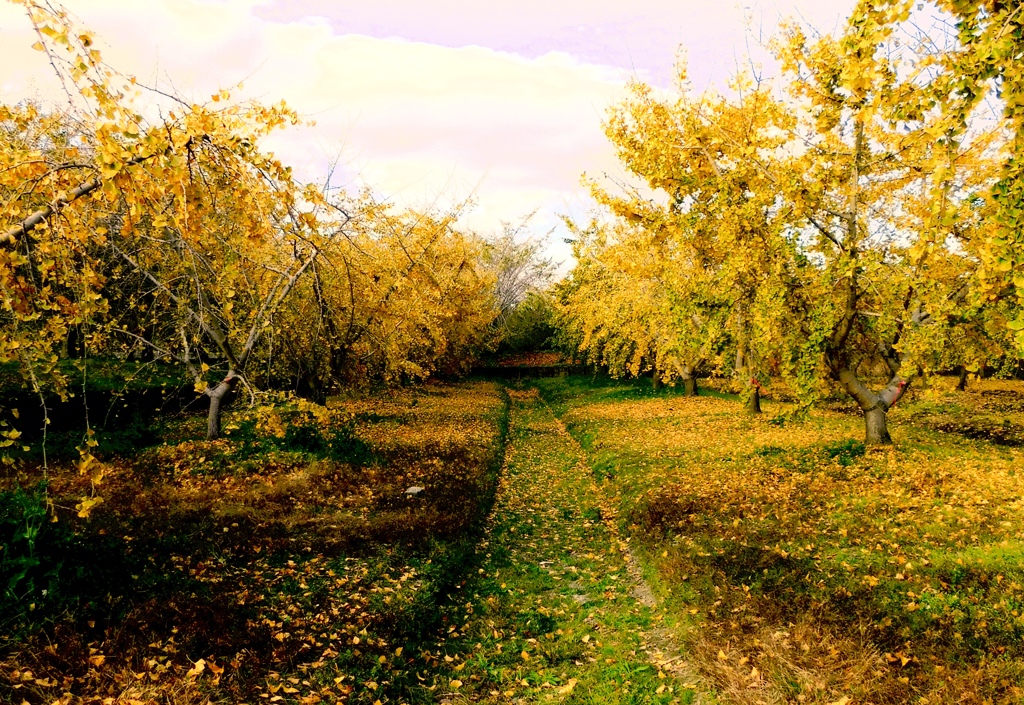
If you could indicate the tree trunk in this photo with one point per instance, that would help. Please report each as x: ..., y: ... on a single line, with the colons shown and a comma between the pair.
x: 754, y: 400
x: 753, y: 389
x: 689, y: 385
x: 875, y: 405
x: 961, y: 383
x: 148, y: 351
x: 217, y: 395
x: 877, y: 430
x: 655, y: 379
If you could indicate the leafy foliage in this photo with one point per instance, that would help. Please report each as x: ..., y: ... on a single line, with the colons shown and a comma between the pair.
x: 834, y: 235
x: 30, y: 558
x: 530, y: 327
x: 181, y: 240
x: 981, y: 63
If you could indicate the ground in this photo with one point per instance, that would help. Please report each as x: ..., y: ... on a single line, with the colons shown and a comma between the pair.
x: 816, y: 569
x: 575, y: 541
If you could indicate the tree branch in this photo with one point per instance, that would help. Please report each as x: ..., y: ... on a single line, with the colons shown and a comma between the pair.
x: 33, y: 221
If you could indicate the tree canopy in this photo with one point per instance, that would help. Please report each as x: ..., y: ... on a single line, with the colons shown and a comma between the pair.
x: 831, y: 227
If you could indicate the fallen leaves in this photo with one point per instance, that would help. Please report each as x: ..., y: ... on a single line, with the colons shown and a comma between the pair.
x: 197, y: 668
x: 762, y: 521
x: 282, y: 600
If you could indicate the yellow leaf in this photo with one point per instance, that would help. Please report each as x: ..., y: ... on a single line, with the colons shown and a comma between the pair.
x: 456, y: 684
x: 567, y: 688
x: 196, y: 669
x: 38, y: 46
x: 86, y: 506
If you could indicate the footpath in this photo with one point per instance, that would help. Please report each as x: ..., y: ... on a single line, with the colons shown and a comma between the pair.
x: 558, y: 611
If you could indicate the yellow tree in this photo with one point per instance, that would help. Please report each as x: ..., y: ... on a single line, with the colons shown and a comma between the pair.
x: 215, y: 226
x: 895, y: 255
x: 401, y: 296
x: 834, y: 232
x: 620, y: 310
x: 721, y: 226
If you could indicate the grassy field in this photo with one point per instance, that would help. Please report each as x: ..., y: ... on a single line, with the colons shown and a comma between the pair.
x: 807, y: 569
x: 284, y: 562
x: 288, y: 563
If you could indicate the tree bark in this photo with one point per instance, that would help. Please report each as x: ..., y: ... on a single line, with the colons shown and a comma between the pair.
x: 217, y: 395
x: 874, y: 405
x: 961, y: 383
x: 72, y: 348
x: 753, y: 389
x: 655, y: 379
x: 754, y: 399
x: 689, y: 382
x: 30, y: 223
x: 876, y: 428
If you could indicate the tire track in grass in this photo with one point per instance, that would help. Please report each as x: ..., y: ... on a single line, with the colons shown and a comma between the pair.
x: 553, y: 613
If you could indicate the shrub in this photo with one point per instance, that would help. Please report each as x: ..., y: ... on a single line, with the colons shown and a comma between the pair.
x: 31, y: 551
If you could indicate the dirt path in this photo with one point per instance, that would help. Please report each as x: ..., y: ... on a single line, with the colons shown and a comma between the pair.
x: 559, y: 611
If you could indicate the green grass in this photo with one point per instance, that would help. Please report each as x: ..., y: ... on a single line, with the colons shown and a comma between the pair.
x: 550, y: 614
x: 791, y: 563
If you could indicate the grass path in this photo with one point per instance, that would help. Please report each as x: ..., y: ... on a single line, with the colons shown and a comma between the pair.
x: 556, y: 612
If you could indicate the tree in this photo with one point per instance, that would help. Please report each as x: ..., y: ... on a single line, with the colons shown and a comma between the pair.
x: 402, y: 295
x: 218, y: 229
x: 720, y: 231
x: 516, y: 260
x: 530, y: 326
x: 619, y: 312
x: 834, y: 232
x: 897, y: 254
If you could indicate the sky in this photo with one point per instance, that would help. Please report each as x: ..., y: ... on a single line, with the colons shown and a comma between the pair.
x: 428, y: 102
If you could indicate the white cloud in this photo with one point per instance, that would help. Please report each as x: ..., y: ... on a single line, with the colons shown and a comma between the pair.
x: 411, y: 119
